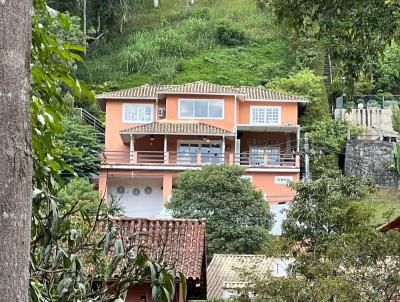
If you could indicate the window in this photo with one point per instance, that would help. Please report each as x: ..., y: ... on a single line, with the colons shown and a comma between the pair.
x: 211, y: 109
x: 137, y: 113
x: 283, y: 180
x: 256, y: 156
x: 265, y: 115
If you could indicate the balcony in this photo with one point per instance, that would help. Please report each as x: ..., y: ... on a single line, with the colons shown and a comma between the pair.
x: 176, y: 160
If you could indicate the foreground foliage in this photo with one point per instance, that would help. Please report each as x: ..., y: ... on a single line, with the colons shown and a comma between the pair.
x: 74, y: 249
x: 338, y: 255
x: 238, y: 218
x: 356, y: 33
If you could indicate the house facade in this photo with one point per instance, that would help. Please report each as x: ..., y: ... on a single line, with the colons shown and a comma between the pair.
x: 154, y: 132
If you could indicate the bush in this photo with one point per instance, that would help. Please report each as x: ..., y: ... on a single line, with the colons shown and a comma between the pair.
x: 229, y: 35
x: 310, y: 86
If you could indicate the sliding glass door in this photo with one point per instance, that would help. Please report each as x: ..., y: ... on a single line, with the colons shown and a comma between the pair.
x: 210, y: 152
x: 257, y: 155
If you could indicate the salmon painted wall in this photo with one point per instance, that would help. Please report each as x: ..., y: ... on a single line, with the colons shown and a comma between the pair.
x: 265, y: 181
x: 229, y: 107
x: 114, y: 123
x: 275, y: 192
x: 288, y: 111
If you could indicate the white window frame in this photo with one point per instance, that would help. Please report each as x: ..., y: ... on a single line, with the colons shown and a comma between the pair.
x: 204, y: 118
x: 283, y: 179
x: 252, y: 122
x: 124, y: 105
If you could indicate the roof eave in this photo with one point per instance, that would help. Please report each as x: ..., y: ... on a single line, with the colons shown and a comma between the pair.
x: 200, y: 93
x: 271, y: 100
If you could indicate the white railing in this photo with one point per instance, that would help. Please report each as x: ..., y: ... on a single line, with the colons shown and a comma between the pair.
x: 197, y: 159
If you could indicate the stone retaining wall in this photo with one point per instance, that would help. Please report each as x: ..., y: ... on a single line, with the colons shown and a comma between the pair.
x: 373, y: 159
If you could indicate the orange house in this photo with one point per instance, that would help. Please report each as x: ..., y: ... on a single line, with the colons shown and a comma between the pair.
x: 153, y: 132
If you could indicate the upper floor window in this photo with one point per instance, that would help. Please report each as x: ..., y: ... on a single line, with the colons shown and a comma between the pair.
x: 265, y: 115
x: 209, y: 109
x: 137, y: 113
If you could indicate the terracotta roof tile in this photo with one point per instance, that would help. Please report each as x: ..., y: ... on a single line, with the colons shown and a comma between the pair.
x: 178, y: 242
x: 391, y: 225
x: 202, y: 87
x: 144, y: 91
x: 177, y: 127
x: 261, y: 93
x: 224, y: 271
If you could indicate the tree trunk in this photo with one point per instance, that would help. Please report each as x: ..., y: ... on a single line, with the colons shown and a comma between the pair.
x: 15, y: 150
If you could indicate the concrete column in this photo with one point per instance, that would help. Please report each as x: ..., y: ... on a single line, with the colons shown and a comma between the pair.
x: 131, y: 148
x: 298, y: 139
x: 167, y: 187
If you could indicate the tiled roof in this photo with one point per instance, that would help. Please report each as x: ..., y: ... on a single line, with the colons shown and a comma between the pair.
x: 174, y: 241
x: 202, y: 87
x: 177, y: 127
x: 391, y: 225
x: 144, y: 91
x: 261, y: 93
x: 224, y: 271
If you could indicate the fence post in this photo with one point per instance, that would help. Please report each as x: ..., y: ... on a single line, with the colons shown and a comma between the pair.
x: 265, y: 159
x: 166, y: 158
x: 198, y: 158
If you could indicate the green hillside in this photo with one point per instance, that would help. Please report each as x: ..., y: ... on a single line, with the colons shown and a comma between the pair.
x: 222, y: 41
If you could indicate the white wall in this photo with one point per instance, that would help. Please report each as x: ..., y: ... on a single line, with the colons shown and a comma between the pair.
x: 142, y: 205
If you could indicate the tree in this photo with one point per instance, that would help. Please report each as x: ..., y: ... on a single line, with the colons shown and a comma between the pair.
x: 15, y: 153
x: 80, y: 145
x: 310, y: 86
x: 356, y: 33
x: 74, y: 251
x: 338, y: 255
x: 238, y: 217
x: 327, y: 142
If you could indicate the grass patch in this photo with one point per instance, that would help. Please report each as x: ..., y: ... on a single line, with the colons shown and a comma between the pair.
x: 386, y: 204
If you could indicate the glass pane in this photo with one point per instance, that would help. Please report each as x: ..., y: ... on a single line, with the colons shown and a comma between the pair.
x: 201, y: 109
x: 186, y: 108
x: 216, y: 109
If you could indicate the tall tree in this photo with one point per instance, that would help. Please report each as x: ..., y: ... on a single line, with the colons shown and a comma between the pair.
x: 356, y: 33
x: 15, y: 152
x: 238, y: 217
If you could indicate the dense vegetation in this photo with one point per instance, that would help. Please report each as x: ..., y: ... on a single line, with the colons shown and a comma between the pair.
x: 238, y: 218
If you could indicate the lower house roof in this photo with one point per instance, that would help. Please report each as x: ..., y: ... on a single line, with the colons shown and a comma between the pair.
x: 225, y: 272
x: 177, y: 242
x: 391, y: 225
x: 175, y: 127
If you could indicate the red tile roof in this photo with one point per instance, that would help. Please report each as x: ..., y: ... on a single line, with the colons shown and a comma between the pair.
x: 199, y: 87
x: 177, y: 127
x: 178, y: 242
x: 202, y: 87
x: 391, y: 225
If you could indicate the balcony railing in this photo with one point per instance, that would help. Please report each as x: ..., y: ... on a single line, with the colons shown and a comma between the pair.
x: 160, y: 158
x: 368, y: 101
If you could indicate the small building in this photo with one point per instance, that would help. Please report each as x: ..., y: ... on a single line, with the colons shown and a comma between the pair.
x: 178, y: 242
x: 225, y: 272
x: 391, y: 225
